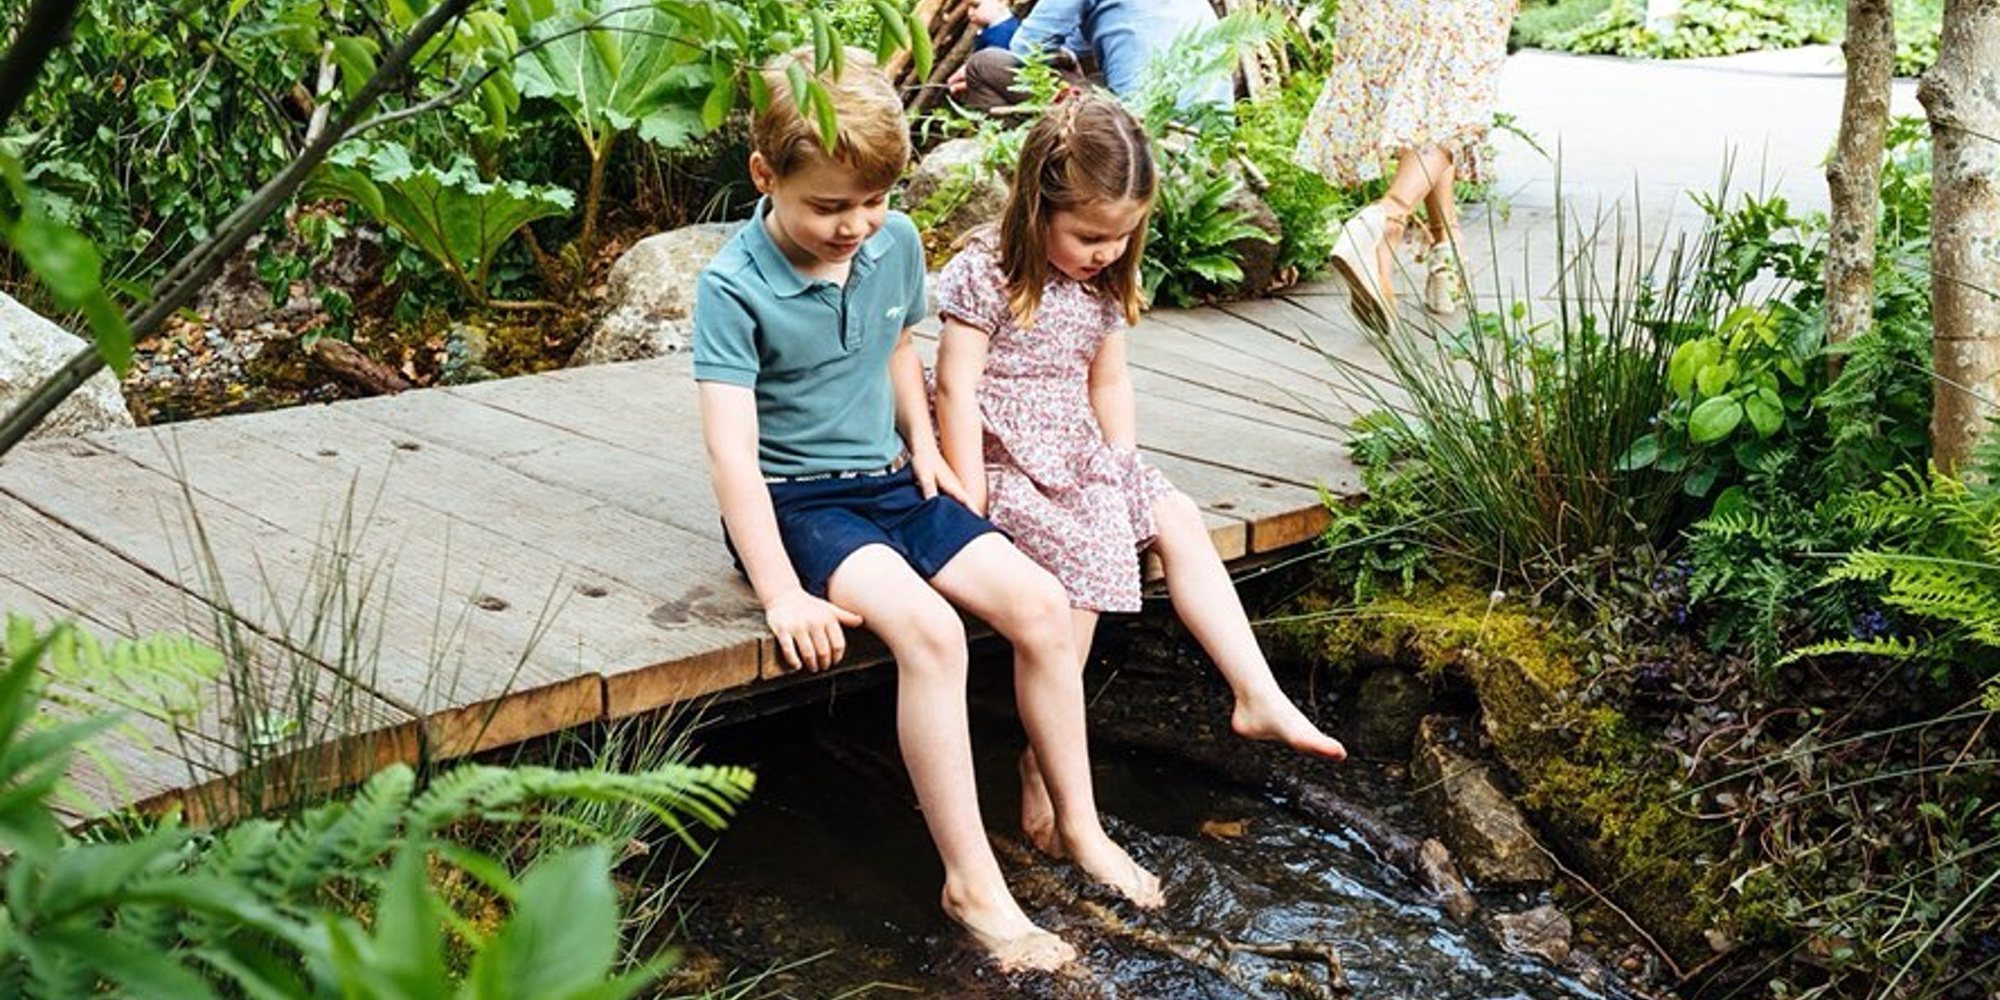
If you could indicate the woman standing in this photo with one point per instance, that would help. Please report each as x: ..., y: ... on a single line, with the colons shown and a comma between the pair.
x: 1414, y: 81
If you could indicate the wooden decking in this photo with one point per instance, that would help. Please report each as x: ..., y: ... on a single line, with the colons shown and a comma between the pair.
x: 453, y: 570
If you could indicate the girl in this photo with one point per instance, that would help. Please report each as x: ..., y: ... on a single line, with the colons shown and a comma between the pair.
x: 1036, y: 411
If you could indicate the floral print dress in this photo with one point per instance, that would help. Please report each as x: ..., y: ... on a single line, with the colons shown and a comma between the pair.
x: 1080, y: 507
x: 1408, y: 74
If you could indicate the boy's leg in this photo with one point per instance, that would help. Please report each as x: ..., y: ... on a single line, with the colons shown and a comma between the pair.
x: 928, y: 642
x: 1038, y: 814
x: 990, y: 578
x: 1209, y: 606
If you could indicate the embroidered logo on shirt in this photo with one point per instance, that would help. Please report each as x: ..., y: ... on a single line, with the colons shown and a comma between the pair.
x: 894, y: 311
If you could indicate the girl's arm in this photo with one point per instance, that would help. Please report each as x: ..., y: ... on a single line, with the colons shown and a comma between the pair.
x: 913, y: 419
x: 961, y: 360
x: 1111, y: 395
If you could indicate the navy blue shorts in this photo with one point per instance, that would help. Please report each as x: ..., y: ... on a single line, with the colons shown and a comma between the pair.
x: 823, y: 521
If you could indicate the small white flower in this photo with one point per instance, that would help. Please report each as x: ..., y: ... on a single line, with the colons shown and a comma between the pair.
x: 1496, y: 596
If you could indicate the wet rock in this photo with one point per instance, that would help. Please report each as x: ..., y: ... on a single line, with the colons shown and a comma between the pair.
x: 1434, y: 864
x: 1483, y: 827
x: 952, y: 192
x: 1543, y: 932
x: 1387, y: 710
x: 650, y: 295
x: 31, y: 349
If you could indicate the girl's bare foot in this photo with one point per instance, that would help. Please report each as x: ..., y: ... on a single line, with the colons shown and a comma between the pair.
x: 996, y: 922
x: 1102, y: 859
x: 1277, y: 720
x: 1038, y: 811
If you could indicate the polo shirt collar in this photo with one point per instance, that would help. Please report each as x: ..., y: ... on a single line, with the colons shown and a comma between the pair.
x: 784, y: 279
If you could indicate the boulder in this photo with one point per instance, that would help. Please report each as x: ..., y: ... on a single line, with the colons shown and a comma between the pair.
x: 952, y: 192
x: 1387, y: 710
x: 1483, y: 827
x: 649, y: 295
x: 1543, y: 932
x: 31, y: 349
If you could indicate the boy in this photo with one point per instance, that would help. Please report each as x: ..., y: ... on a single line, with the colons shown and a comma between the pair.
x: 839, y: 507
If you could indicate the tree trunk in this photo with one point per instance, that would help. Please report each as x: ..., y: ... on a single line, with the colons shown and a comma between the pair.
x: 1854, y: 175
x: 1961, y: 97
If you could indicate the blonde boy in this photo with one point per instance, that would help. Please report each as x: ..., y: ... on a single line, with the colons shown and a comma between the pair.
x: 839, y: 507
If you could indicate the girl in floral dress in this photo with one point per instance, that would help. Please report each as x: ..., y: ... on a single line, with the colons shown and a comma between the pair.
x: 1414, y: 81
x: 1036, y: 412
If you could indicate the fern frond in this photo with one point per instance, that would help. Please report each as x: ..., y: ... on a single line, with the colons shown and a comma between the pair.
x: 341, y: 837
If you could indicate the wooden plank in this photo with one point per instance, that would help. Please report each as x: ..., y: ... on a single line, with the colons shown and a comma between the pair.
x: 271, y: 715
x: 290, y: 547
x: 704, y: 631
x: 653, y: 487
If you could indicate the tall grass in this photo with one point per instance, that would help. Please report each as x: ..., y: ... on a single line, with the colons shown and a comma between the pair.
x: 1517, y: 422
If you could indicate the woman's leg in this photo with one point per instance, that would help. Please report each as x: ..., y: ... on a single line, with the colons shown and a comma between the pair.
x: 1441, y: 208
x: 1417, y: 174
x: 928, y: 642
x: 995, y: 582
x: 1208, y: 605
x: 1038, y: 814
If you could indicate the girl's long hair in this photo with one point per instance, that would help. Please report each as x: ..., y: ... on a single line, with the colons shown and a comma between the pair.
x: 1088, y: 148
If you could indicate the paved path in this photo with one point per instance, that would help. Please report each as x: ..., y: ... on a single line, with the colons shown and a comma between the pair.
x: 459, y: 569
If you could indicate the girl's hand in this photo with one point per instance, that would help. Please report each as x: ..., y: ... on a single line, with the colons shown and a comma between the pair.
x: 808, y: 629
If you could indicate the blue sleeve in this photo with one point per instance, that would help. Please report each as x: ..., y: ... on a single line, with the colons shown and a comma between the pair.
x: 998, y: 35
x: 725, y: 334
x: 1049, y: 26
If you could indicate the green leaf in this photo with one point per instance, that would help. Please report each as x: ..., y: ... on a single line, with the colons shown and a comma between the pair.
x: 823, y: 113
x: 1766, y: 412
x: 822, y: 43
x: 921, y: 54
x: 1643, y: 452
x: 895, y: 30
x: 721, y: 99
x: 563, y: 936
x: 1714, y: 379
x: 1714, y: 419
x: 356, y: 59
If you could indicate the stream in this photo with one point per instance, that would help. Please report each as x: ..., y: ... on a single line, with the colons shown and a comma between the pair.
x: 826, y: 885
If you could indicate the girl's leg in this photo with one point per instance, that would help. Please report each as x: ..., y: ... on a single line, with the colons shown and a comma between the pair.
x: 1038, y: 814
x: 928, y: 642
x: 992, y: 579
x: 1208, y: 605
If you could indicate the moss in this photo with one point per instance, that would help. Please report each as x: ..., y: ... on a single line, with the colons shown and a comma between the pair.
x: 1594, y: 780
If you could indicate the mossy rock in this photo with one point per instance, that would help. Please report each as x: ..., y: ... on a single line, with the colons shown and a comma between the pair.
x: 1601, y: 788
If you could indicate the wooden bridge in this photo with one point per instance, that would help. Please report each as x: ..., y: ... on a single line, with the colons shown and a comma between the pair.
x: 453, y: 570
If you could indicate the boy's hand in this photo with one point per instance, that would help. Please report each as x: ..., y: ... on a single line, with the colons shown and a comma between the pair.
x: 808, y: 629
x: 935, y: 475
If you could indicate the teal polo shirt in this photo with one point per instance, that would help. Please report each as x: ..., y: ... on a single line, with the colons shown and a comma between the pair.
x: 816, y: 353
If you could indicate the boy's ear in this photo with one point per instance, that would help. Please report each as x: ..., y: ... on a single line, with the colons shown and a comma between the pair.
x: 761, y: 173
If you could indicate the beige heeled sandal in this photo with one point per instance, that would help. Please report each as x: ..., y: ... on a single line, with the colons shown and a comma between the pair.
x: 1444, y: 280
x: 1354, y: 259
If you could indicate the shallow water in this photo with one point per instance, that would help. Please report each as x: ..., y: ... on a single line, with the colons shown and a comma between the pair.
x: 829, y: 867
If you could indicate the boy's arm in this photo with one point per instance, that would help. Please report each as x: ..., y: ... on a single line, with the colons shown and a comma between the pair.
x: 1111, y: 396
x: 913, y: 419
x: 807, y: 629
x: 1052, y: 25
x: 961, y: 362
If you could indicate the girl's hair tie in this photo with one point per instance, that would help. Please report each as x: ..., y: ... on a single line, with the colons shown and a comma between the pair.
x: 1064, y: 93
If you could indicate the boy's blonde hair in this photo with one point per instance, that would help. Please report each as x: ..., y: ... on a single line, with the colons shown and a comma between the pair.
x: 871, y: 137
x: 1088, y: 148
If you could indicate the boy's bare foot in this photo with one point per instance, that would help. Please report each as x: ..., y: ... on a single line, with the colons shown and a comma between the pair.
x: 996, y: 922
x: 1038, y: 811
x: 1102, y: 859
x: 1278, y: 720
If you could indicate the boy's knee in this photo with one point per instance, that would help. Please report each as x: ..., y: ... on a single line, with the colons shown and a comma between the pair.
x: 935, y: 638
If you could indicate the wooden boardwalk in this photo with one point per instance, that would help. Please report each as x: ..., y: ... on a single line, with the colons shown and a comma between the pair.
x: 454, y: 570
